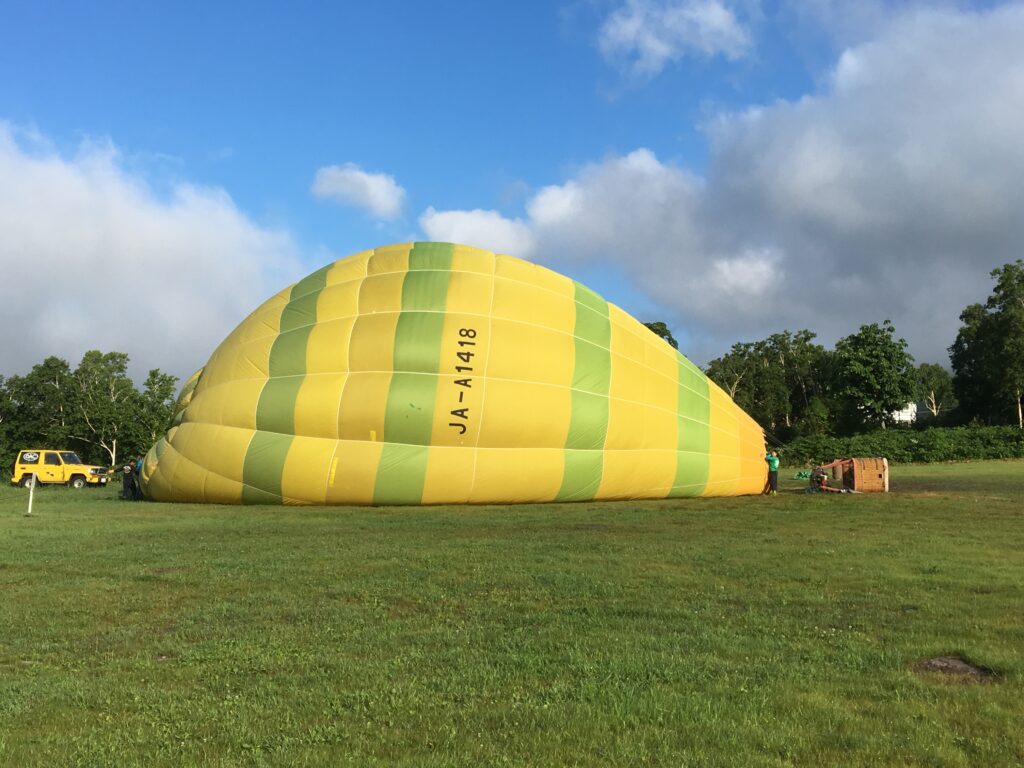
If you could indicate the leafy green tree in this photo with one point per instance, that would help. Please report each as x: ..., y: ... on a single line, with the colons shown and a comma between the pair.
x: 810, y: 367
x: 988, y: 354
x: 973, y: 357
x: 155, y: 406
x: 771, y: 393
x: 805, y: 369
x: 746, y: 373
x: 935, y: 388
x: 95, y: 409
x: 105, y: 402
x: 1006, y: 305
x: 734, y: 372
x: 38, y: 406
x: 874, y: 374
x: 817, y: 418
x: 660, y: 329
x: 781, y: 381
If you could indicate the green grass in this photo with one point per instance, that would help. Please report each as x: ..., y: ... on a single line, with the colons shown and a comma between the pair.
x: 718, y: 632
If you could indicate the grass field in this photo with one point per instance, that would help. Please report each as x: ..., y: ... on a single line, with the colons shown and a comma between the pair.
x: 708, y: 632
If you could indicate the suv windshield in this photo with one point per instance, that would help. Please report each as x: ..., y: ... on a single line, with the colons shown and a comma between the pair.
x: 70, y: 457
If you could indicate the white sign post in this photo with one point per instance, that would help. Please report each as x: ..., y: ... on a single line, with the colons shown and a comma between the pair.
x: 31, y: 493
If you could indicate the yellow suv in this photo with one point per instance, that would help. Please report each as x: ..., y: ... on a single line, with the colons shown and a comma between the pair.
x: 56, y: 467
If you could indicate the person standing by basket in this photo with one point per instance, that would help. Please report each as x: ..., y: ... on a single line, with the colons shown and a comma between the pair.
x: 773, y: 472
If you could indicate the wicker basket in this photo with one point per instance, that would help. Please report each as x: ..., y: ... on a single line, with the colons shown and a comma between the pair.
x: 866, y: 475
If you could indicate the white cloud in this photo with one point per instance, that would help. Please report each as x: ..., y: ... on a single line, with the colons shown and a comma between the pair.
x: 748, y: 276
x: 891, y: 194
x: 650, y: 34
x: 484, y: 229
x: 93, y: 259
x: 555, y: 204
x: 377, y: 193
x: 848, y: 22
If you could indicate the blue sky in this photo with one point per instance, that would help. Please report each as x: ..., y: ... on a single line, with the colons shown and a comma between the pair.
x: 468, y: 104
x: 693, y: 160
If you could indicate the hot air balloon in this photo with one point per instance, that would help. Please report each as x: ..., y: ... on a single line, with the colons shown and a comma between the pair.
x: 433, y: 373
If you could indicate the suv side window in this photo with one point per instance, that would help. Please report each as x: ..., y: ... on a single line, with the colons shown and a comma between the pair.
x: 29, y: 457
x: 51, y: 458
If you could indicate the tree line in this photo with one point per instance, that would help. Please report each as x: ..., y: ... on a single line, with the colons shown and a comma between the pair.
x: 794, y: 387
x: 94, y: 409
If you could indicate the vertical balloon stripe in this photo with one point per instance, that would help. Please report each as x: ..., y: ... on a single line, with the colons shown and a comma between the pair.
x: 693, y: 462
x: 287, y: 363
x: 409, y: 414
x: 186, y: 396
x: 431, y: 256
x: 264, y: 464
x: 159, y: 448
x: 275, y: 412
x: 591, y: 379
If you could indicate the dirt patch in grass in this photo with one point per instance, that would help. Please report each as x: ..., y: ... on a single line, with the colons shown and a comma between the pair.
x: 956, y: 668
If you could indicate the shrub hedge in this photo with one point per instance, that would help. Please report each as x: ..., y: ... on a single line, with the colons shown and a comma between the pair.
x: 907, y: 445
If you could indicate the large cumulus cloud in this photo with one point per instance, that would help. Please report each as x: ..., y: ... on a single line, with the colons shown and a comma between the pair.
x: 95, y: 259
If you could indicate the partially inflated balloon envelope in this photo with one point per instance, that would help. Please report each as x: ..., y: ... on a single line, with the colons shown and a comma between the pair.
x: 431, y: 373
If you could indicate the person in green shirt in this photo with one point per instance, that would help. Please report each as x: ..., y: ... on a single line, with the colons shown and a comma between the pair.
x: 773, y: 472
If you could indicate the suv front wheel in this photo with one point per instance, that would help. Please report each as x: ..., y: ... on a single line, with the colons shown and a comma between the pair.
x: 77, y: 482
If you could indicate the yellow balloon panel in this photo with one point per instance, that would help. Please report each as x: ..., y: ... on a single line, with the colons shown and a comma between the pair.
x: 432, y: 373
